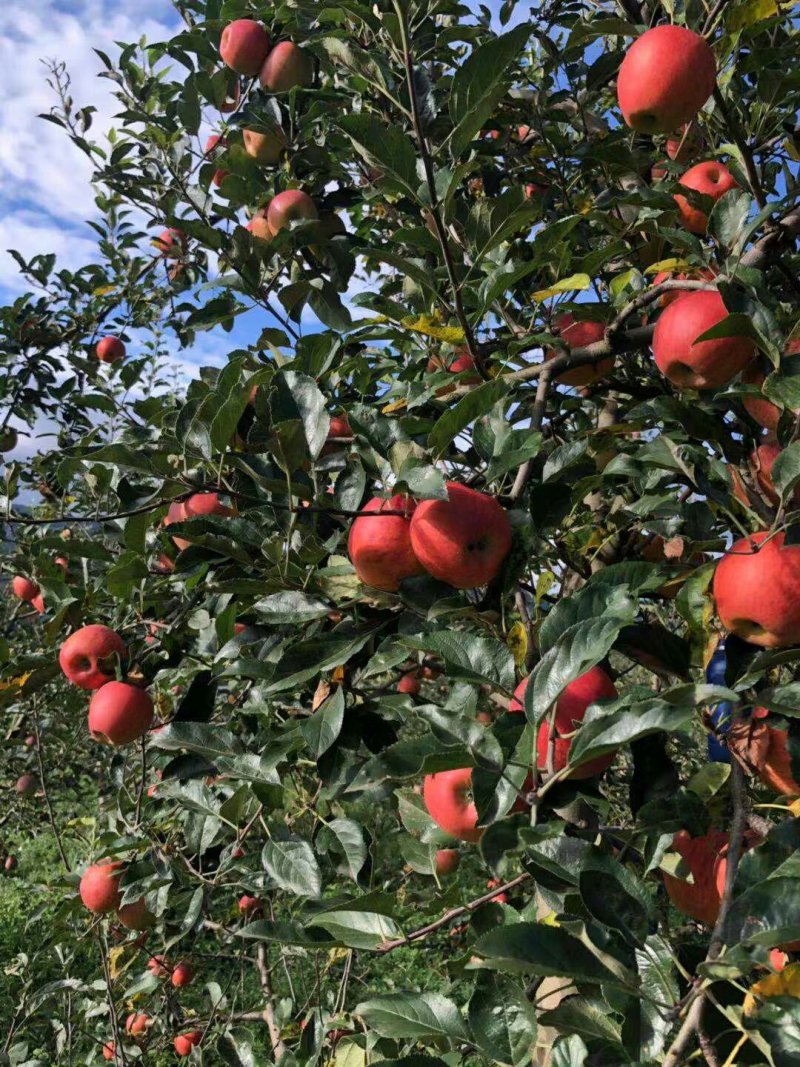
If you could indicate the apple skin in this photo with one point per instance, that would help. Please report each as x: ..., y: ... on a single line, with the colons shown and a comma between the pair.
x: 259, y: 228
x: 339, y: 427
x: 446, y: 796
x: 196, y: 506
x: 462, y: 540
x: 286, y: 67
x: 380, y: 548
x: 460, y: 363
x: 99, y: 887
x: 171, y: 243
x: 683, y: 146
x: 571, y: 707
x: 24, y: 588
x: 232, y: 100
x: 110, y: 1051
x: 110, y: 350
x: 577, y: 335
x: 265, y: 146
x: 702, y: 274
x: 289, y: 206
x: 182, y: 974
x: 666, y: 76
x: 706, y: 859
x: 214, y: 145
x: 120, y: 713
x: 447, y: 861
x: 136, y: 916
x: 89, y: 656
x: 757, y: 590
x: 703, y: 365
x: 25, y: 785
x: 10, y: 864
x: 137, y: 1024
x: 711, y: 179
x: 249, y: 905
x: 184, y: 1043
x: 409, y: 684
x: 158, y: 967
x: 761, y: 462
x: 244, y: 46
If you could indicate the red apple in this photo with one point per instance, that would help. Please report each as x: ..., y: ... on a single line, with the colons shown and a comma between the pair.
x: 462, y: 540
x: 690, y: 364
x: 249, y: 905
x: 286, y: 67
x: 214, y: 145
x: 571, y: 707
x: 62, y: 562
x: 38, y: 603
x: 265, y: 146
x: 182, y: 974
x: 757, y: 590
x: 171, y: 243
x: 99, y: 887
x: 711, y: 179
x: 136, y: 916
x: 137, y: 1024
x: 195, y: 507
x: 158, y: 967
x: 110, y: 1051
x: 380, y: 547
x: 339, y: 427
x: 110, y: 350
x: 682, y: 146
x: 761, y: 462
x: 292, y: 205
x: 578, y: 335
x: 447, y: 860
x: 25, y: 785
x: 447, y: 796
x: 777, y: 959
x: 10, y: 863
x: 459, y: 363
x: 259, y: 228
x: 244, y: 46
x: 706, y: 859
x: 89, y: 657
x: 409, y: 684
x: 24, y: 588
x: 775, y: 770
x: 666, y: 76
x: 700, y: 274
x: 184, y: 1043
x: 498, y: 898
x: 120, y: 713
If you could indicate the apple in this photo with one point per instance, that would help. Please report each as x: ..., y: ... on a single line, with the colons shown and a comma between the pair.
x: 339, y: 428
x: 171, y: 243
x: 578, y: 334
x: 265, y: 146
x: 462, y: 540
x: 778, y: 959
x: 763, y: 411
x: 244, y: 46
x: 776, y: 765
x: 99, y: 887
x: 706, y: 859
x: 571, y: 707
x: 498, y: 898
x: 292, y: 205
x: 196, y: 506
x: 184, y: 1043
x: 409, y: 684
x: 120, y: 713
x: 666, y: 76
x: 698, y: 274
x: 761, y: 461
x: 158, y: 967
x: 137, y: 1024
x: 692, y: 364
x: 447, y: 861
x: 182, y: 974
x: 110, y: 1051
x: 10, y: 863
x: 286, y: 67
x: 89, y: 657
x: 216, y: 143
x: 380, y: 546
x: 24, y: 588
x: 711, y: 179
x: 25, y: 785
x: 62, y: 562
x: 110, y: 350
x: 756, y: 589
x: 249, y: 905
x: 30, y: 741
x: 459, y: 363
x: 447, y: 796
x: 683, y: 145
x: 136, y: 916
x: 259, y: 228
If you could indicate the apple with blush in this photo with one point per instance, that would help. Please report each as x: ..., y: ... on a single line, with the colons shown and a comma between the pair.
x: 110, y: 350
x: 756, y: 589
x: 286, y: 67
x: 692, y: 364
x: 711, y: 179
x: 380, y: 545
x: 120, y: 713
x: 244, y: 46
x: 99, y: 887
x: 448, y: 799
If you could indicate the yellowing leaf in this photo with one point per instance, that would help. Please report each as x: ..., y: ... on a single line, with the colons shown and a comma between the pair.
x: 517, y: 641
x: 424, y: 324
x: 338, y: 676
x: 785, y: 983
x: 398, y: 405
x: 104, y: 290
x: 115, y: 960
x: 667, y: 264
x: 15, y: 683
x: 751, y: 12
x: 549, y: 919
x: 575, y: 282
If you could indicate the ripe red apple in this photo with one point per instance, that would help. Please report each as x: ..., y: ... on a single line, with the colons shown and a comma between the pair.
x: 24, y: 588
x: 571, y: 707
x: 666, y: 76
x: 292, y: 205
x: 702, y: 274
x: 25, y: 785
x: 214, y: 145
x: 409, y: 683
x: 171, y: 243
x: 259, y: 228
x: 447, y: 860
x: 286, y: 67
x: 184, y: 1043
x: 380, y: 547
x: 339, y: 427
x: 761, y: 462
x: 110, y: 1051
x: 110, y: 350
x: 462, y: 540
x: 137, y: 1024
x: 182, y: 974
x: 706, y: 859
x: 158, y: 967
x: 136, y: 916
x: 498, y: 898
x: 99, y: 887
x: 682, y: 146
x: 198, y: 505
x: 38, y: 603
x: 578, y: 335
x: 244, y: 46
x: 776, y: 767
x: 447, y: 796
x: 757, y: 590
x: 690, y: 364
x: 763, y: 411
x: 459, y: 363
x: 265, y: 146
x: 248, y: 905
x: 89, y: 657
x: 120, y: 713
x: 711, y: 179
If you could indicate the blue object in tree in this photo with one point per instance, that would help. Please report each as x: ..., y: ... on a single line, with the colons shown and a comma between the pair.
x: 720, y: 713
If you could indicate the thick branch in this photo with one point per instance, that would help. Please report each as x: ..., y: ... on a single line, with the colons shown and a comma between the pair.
x: 268, y: 1015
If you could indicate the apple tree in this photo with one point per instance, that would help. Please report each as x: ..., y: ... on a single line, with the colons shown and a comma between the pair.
x: 415, y: 685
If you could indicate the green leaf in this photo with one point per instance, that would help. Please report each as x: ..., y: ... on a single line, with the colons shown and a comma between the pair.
x: 309, y: 403
x: 613, y: 894
x: 533, y: 948
x: 728, y: 217
x: 357, y: 929
x: 785, y: 471
x: 660, y: 984
x: 293, y: 867
x: 470, y: 407
x: 474, y: 659
x: 345, y: 837
x: 502, y: 1020
x: 325, y: 725
x: 404, y: 1015
x: 586, y: 1015
x: 385, y: 146
x: 605, y: 730
x: 290, y: 606
x: 208, y: 741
